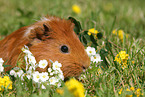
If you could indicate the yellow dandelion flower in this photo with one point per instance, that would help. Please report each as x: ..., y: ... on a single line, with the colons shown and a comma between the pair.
x: 5, y: 82
x: 114, y: 31
x: 122, y: 58
x: 127, y: 35
x: 127, y: 89
x: 76, y: 9
x: 1, y: 83
x: 93, y: 31
x: 132, y: 89
x: 75, y: 87
x: 128, y: 95
x: 138, y: 93
x: 120, y: 34
x: 6, y: 78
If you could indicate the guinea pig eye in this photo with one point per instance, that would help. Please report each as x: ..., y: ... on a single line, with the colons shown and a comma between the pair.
x: 64, y: 49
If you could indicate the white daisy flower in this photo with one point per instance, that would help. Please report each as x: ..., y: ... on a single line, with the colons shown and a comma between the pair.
x: 22, y: 76
x: 56, y: 65
x: 60, y: 75
x: 43, y: 87
x: 1, y: 68
x: 36, y: 76
x: 1, y: 65
x: 28, y: 76
x: 96, y: 58
x: 19, y: 73
x: 29, y: 71
x: 26, y: 47
x: 90, y: 51
x: 53, y: 80
x: 25, y: 50
x: 1, y: 61
x: 49, y: 69
x: 56, y: 71
x: 15, y: 74
x: 12, y: 72
x: 44, y: 76
x: 60, y: 71
x: 52, y: 73
x: 32, y: 60
x: 43, y: 63
x: 26, y: 60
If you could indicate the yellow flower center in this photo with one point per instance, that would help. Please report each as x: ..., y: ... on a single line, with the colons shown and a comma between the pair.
x: 56, y: 66
x: 23, y: 49
x: 44, y: 76
x: 95, y: 57
x: 51, y: 80
x: 43, y: 64
x: 90, y: 52
x: 37, y: 76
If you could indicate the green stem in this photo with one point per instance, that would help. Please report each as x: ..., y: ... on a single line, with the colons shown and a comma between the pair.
x: 112, y: 54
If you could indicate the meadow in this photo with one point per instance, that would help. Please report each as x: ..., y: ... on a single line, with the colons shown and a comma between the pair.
x: 117, y: 30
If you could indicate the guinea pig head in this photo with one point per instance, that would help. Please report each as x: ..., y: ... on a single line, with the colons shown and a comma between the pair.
x: 54, y: 39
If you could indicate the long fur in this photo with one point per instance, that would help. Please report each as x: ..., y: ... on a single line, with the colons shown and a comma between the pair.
x: 46, y: 44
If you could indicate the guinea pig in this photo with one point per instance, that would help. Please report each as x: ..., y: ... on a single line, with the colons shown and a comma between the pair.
x: 51, y: 38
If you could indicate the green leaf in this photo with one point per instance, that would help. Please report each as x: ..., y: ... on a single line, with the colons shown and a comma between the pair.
x: 6, y: 66
x: 78, y: 27
x: 85, y: 32
x: 93, y: 40
x: 21, y: 11
x: 99, y: 35
x: 108, y: 45
x: 28, y: 14
x: 21, y: 25
x: 84, y: 40
x: 113, y: 24
x: 104, y: 53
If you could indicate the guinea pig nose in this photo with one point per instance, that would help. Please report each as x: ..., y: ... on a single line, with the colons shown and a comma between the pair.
x: 84, y: 67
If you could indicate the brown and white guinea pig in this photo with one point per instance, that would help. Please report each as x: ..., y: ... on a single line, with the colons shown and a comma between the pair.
x: 52, y: 38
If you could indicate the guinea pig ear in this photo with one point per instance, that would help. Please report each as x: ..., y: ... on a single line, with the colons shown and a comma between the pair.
x: 46, y: 29
x: 39, y: 33
x: 77, y: 27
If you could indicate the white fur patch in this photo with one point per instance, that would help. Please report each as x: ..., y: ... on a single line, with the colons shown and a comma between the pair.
x: 43, y: 19
x: 28, y: 30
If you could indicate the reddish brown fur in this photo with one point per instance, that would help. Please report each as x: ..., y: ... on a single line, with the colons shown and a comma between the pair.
x: 47, y: 46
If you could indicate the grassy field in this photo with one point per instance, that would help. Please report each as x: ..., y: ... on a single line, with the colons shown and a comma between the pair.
x: 103, y: 15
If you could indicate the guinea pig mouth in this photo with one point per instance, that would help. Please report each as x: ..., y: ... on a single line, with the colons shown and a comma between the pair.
x: 73, y: 70
x: 68, y: 78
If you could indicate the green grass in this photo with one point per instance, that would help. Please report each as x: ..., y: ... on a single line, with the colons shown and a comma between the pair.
x: 104, y: 15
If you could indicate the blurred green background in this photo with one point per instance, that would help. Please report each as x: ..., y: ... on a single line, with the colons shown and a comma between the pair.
x: 130, y: 14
